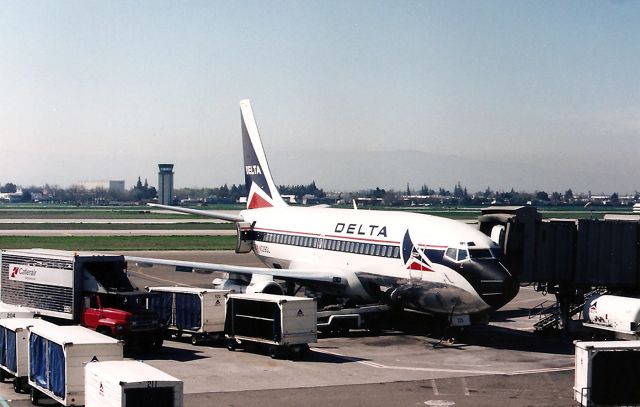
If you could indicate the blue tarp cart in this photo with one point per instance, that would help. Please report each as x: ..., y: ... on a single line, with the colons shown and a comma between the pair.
x: 14, y: 349
x: 196, y: 311
x: 57, y: 356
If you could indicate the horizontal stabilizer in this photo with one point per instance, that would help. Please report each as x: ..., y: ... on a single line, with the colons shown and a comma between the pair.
x: 211, y: 214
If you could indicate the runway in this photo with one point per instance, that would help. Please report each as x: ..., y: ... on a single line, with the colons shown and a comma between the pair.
x: 118, y: 232
x: 501, y: 364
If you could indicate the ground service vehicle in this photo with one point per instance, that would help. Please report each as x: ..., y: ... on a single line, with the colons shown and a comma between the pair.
x: 613, y: 316
x: 79, y: 287
x: 130, y: 383
x: 14, y: 349
x: 198, y: 312
x: 13, y: 311
x: 284, y: 325
x: 606, y: 373
x: 57, y: 356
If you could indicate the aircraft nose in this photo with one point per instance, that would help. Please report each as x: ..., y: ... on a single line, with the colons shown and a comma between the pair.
x: 496, y: 285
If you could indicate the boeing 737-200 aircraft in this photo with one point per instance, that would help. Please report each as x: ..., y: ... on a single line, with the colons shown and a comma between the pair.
x: 422, y: 262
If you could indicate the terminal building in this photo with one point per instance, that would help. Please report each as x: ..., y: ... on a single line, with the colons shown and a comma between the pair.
x: 111, y: 185
x: 165, y: 184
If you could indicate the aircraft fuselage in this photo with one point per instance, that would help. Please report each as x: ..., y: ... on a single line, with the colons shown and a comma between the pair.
x: 428, y: 263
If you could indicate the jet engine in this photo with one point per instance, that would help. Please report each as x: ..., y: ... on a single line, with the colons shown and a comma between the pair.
x: 257, y: 284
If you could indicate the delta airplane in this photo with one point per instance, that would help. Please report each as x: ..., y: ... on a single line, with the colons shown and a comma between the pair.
x: 426, y: 263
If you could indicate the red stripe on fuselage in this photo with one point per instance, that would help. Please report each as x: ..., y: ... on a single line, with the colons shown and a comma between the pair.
x: 286, y: 231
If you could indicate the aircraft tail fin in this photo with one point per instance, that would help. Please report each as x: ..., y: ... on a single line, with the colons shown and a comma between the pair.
x: 261, y: 190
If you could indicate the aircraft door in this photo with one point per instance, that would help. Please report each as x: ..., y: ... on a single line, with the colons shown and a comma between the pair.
x: 246, y: 237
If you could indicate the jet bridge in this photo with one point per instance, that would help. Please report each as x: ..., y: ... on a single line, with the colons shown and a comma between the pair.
x: 573, y: 259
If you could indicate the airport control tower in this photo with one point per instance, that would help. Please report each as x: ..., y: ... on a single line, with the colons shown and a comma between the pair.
x: 165, y: 184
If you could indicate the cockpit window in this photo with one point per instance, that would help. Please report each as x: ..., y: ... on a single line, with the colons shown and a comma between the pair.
x: 480, y: 254
x: 457, y: 254
x: 451, y: 253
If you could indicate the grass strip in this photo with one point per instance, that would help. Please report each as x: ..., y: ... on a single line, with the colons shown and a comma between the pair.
x: 88, y: 243
x: 117, y: 226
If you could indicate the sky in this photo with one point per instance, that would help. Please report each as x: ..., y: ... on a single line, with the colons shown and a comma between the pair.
x: 530, y: 95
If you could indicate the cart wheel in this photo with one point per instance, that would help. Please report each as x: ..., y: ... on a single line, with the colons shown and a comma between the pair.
x: 274, y: 352
x: 231, y: 344
x: 299, y: 351
x: 34, y: 396
x: 194, y: 339
x: 156, y: 345
x: 17, y: 385
x: 3, y: 375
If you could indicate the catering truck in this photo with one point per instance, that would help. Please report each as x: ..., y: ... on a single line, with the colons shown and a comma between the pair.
x: 84, y: 288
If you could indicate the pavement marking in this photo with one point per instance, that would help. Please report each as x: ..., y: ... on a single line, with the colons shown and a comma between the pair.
x: 465, y: 387
x: 546, y: 370
x: 435, y: 387
x: 158, y: 278
x: 409, y: 368
x: 3, y: 402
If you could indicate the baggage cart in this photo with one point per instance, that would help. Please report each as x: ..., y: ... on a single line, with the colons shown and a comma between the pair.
x: 14, y: 311
x: 130, y: 383
x: 57, y: 356
x: 284, y: 325
x: 14, y: 349
x: 606, y: 373
x: 199, y: 312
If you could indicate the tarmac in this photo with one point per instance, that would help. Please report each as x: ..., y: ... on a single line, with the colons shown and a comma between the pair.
x: 502, y: 364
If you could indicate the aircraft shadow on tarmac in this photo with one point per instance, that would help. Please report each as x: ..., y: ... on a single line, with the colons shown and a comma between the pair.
x: 167, y: 352
x: 489, y: 336
x: 509, y: 315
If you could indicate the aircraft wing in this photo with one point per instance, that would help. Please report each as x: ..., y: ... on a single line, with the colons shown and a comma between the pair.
x: 211, y: 214
x: 334, y: 278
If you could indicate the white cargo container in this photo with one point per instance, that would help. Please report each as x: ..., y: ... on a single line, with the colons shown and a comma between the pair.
x: 14, y: 311
x: 283, y: 324
x: 14, y: 349
x: 199, y: 312
x: 619, y: 316
x: 130, y: 383
x: 57, y: 356
x: 606, y: 372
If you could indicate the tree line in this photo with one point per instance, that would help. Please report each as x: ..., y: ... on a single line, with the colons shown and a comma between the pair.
x: 224, y: 194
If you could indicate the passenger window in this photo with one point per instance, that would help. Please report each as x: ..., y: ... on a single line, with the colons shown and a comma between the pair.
x: 396, y: 252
